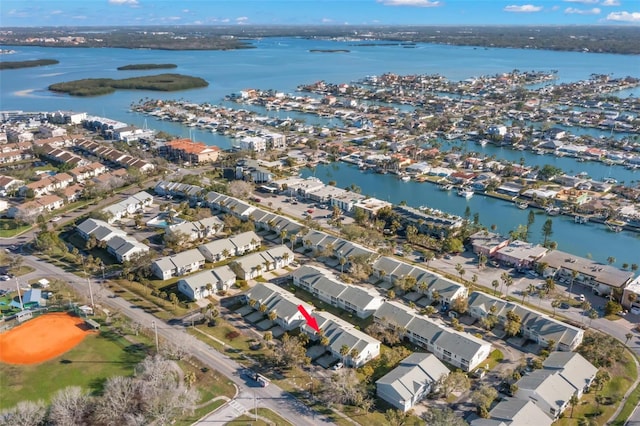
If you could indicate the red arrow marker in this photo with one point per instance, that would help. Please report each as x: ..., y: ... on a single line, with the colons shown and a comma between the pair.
x: 311, y: 321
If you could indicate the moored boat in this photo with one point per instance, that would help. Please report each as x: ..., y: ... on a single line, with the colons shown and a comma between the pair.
x: 465, y: 192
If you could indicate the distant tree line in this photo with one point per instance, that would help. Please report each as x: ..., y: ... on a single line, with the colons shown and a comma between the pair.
x: 135, y: 67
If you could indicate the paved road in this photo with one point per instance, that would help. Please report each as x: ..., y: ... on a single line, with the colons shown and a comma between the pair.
x: 271, y: 397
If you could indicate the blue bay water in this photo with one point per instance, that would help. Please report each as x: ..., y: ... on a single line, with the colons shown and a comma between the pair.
x: 283, y: 64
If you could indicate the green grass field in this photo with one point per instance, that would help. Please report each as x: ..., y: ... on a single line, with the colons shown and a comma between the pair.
x: 88, y: 365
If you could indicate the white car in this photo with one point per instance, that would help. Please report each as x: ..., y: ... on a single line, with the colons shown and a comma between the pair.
x: 338, y: 366
x: 4, y: 277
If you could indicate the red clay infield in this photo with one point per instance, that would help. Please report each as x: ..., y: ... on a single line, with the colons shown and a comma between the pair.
x: 41, y: 339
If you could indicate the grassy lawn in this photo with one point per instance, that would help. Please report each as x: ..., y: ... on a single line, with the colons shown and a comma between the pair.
x: 622, y: 376
x: 246, y: 420
x: 237, y: 347
x: 88, y: 365
x: 9, y: 228
x: 494, y: 359
x: 376, y: 418
x: 268, y: 414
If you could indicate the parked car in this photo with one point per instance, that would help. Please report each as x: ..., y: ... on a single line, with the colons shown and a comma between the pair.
x: 338, y: 366
x: 582, y: 298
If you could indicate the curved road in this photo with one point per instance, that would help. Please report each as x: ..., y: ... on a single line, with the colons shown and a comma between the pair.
x: 271, y: 397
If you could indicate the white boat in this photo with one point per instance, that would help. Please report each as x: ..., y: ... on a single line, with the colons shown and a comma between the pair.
x: 405, y: 178
x: 580, y: 219
x: 446, y: 187
x: 465, y: 192
x: 522, y: 205
x: 615, y: 225
x: 552, y: 211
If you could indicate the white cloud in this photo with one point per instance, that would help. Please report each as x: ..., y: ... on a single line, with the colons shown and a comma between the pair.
x: 242, y: 20
x: 624, y: 16
x: 55, y: 12
x: 583, y: 1
x: 610, y: 3
x: 326, y: 20
x: 412, y: 3
x: 525, y: 8
x: 125, y: 2
x: 574, y: 11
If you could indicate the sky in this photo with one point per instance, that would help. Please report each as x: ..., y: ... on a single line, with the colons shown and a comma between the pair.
x: 26, y: 13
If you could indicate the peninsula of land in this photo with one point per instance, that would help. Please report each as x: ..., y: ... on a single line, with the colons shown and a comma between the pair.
x: 103, y: 86
x: 595, y: 39
x: 138, y: 67
x: 14, y: 65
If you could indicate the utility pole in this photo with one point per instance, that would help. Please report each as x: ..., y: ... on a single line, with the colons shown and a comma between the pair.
x: 155, y: 329
x: 19, y: 295
x: 93, y: 306
x: 255, y: 405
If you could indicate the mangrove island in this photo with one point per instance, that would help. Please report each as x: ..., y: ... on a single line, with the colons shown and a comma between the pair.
x: 137, y: 67
x: 103, y: 86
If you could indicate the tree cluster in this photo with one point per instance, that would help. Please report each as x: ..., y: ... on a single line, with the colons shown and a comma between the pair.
x: 156, y: 394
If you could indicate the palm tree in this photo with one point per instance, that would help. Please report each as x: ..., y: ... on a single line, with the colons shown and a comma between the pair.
x: 593, y: 314
x: 495, y: 285
x: 272, y: 315
x: 344, y: 350
x: 573, y: 401
x: 342, y: 262
x: 611, y: 260
x: 574, y: 275
x: 354, y: 354
x: 554, y: 304
x: 283, y: 235
x: 628, y: 337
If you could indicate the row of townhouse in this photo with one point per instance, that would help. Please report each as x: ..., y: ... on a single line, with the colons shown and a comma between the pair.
x: 89, y: 171
x: 177, y: 189
x: 47, y: 184
x: 361, y: 347
x: 206, y: 283
x: 198, y: 229
x: 600, y: 278
x: 392, y: 271
x: 32, y: 209
x: 189, y: 261
x: 315, y: 190
x: 255, y: 264
x: 544, y: 394
x: 113, y: 155
x: 130, y: 205
x: 120, y: 245
x: 322, y: 243
x: 411, y: 381
x: 9, y: 185
x: 61, y: 156
x: 459, y: 349
x: 536, y: 326
x: 321, y: 283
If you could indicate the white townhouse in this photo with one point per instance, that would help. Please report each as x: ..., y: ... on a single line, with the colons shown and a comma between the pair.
x: 573, y: 368
x: 206, y: 283
x: 178, y: 264
x: 460, y: 349
x: 536, y: 326
x: 392, y: 270
x: 275, y: 299
x: 131, y: 205
x: 99, y: 229
x: 199, y: 229
x: 33, y: 208
x: 219, y: 250
x: 514, y: 412
x: 321, y: 283
x: 362, y: 348
x: 412, y: 380
x: 550, y: 392
x: 125, y: 248
x: 253, y: 265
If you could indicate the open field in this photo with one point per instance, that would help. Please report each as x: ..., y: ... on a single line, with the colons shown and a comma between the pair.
x: 88, y: 365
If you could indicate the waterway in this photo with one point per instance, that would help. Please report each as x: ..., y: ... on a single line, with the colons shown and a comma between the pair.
x: 283, y: 64
x: 589, y: 240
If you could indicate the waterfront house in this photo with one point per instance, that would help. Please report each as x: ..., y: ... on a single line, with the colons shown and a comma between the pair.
x: 520, y: 254
x: 535, y: 326
x: 205, y: 283
x: 185, y: 150
x: 361, y: 348
x: 598, y: 277
x: 412, y: 380
x: 487, y: 243
x: 631, y: 296
x: 267, y: 298
x: 459, y: 349
x: 429, y: 222
x: 321, y: 283
x: 178, y: 264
